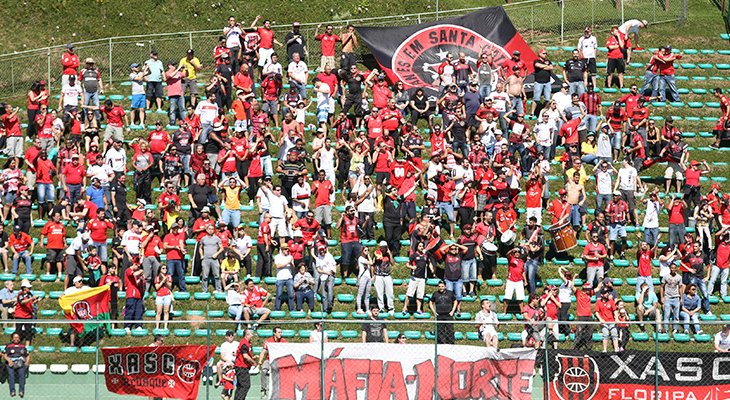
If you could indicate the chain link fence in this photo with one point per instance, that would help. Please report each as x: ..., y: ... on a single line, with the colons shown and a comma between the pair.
x: 537, y: 21
x: 539, y: 363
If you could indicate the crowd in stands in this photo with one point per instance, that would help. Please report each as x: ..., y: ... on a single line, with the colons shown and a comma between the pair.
x: 241, y: 152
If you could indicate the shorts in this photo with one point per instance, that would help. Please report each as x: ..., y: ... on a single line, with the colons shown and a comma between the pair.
x: 609, y: 329
x: 163, y: 300
x: 227, y: 392
x: 616, y: 230
x: 675, y: 169
x: 154, y: 89
x: 630, y: 198
x: 191, y: 84
x: 256, y: 310
x: 323, y: 215
x: 469, y: 270
x: 516, y: 288
x: 115, y: 132
x: 591, y: 64
x: 417, y: 287
x: 279, y: 225
x: 352, y: 175
x: 327, y: 60
x: 382, y: 177
x: 448, y: 208
x: 265, y: 56
x: 72, y: 267
x: 270, y: 107
x: 14, y: 146
x: 9, y: 197
x: 481, y: 202
x: 138, y: 101
x: 54, y: 255
x: 615, y: 65
x: 322, y: 115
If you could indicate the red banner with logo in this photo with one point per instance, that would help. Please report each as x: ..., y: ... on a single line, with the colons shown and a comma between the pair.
x: 162, y: 371
x: 408, y: 372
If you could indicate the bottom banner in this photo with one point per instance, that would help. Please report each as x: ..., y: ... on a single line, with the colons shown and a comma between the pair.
x: 638, y: 375
x: 360, y: 371
x: 161, y: 371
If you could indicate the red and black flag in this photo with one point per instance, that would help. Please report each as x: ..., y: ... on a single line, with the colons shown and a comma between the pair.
x: 413, y: 53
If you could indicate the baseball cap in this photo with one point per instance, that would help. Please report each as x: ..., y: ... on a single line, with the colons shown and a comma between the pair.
x: 172, y: 63
x: 297, y: 234
x: 69, y: 46
x: 224, y: 55
x: 134, y: 65
x: 726, y: 196
x: 605, y: 290
x: 542, y: 51
x: 296, y: 23
x: 562, y: 192
x: 89, y: 60
x: 694, y: 162
x: 16, y: 228
x: 284, y: 246
x: 23, y: 187
x: 725, y: 327
x: 143, y: 201
x: 78, y: 279
x: 205, y: 209
x: 587, y: 29
x: 616, y: 193
x: 466, y: 226
x: 26, y: 283
x: 516, y: 53
x: 383, y: 244
x: 221, y: 224
x: 217, y: 126
x: 174, y: 225
x: 715, y: 186
x: 239, y: 92
x: 588, y: 286
x: 267, y: 178
x: 669, y: 119
x: 153, y: 52
x: 565, y: 86
x: 190, y: 51
x: 322, y: 232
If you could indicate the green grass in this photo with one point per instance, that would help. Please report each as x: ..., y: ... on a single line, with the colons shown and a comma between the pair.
x: 702, y: 32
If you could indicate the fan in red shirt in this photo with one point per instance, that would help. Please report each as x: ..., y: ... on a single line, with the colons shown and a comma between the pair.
x: 254, y: 300
x: 134, y: 284
x: 560, y: 208
x: 606, y: 315
x: 508, y: 66
x: 381, y: 93
x: 99, y: 230
x: 583, y: 333
x: 158, y: 140
x: 616, y: 63
x: 514, y: 289
x: 55, y: 233
x: 308, y: 226
x: 569, y: 130
x: 399, y: 169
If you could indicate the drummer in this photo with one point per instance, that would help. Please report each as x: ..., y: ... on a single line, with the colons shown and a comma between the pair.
x: 576, y: 198
x: 559, y: 208
x: 617, y: 211
x: 506, y: 220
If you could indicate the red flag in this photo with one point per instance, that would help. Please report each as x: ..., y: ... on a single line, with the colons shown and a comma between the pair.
x: 162, y: 371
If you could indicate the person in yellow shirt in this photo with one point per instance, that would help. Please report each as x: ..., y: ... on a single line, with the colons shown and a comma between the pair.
x: 230, y: 267
x: 192, y: 65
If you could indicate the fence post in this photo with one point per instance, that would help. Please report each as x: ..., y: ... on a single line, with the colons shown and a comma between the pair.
x: 546, y: 368
x: 321, y: 354
x: 12, y: 77
x: 110, y: 64
x: 562, y: 22
x: 48, y: 56
x: 657, y: 327
x: 207, y: 347
x: 436, y: 357
x: 190, y: 39
x: 532, y: 23
x: 96, y: 373
x: 622, y: 11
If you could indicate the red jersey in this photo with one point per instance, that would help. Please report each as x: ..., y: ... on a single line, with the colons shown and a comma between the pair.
x: 583, y: 303
x: 98, y: 229
x: 200, y: 223
x: 644, y: 262
x: 516, y: 269
x: 158, y: 141
x: 264, y: 232
x: 559, y: 209
x: 164, y: 290
x: 267, y: 38
x: 391, y: 118
x: 174, y: 240
x: 114, y: 115
x: 322, y: 190
x: 398, y: 171
x: 56, y: 235
x: 133, y: 284
x: 328, y: 44
x: 617, y: 211
x: 569, y: 131
x: 348, y: 232
x: 594, y: 250
x: 254, y: 297
x: 11, y: 125
x: 614, y: 53
x: 606, y: 309
x: 308, y: 230
x: 533, y: 196
x: 70, y: 62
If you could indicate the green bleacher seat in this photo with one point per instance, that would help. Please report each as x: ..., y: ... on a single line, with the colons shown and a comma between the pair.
x: 46, y: 349
x: 68, y: 349
x: 216, y: 314
x: 331, y: 334
x: 705, y: 317
x: 661, y: 337
x: 48, y: 313
x: 465, y: 316
x: 176, y: 313
x: 140, y: 332
x: 319, y: 315
x: 714, y: 299
x: 628, y: 298
x: 201, y: 296
x: 703, y: 337
x: 54, y: 331
x: 695, y: 104
x: 161, y: 332
x: 504, y: 317
x: 194, y: 313
x: 472, y: 335
x: 722, y: 66
x: 192, y: 280
x: 181, y: 332
x: 7, y: 277
x: 514, y: 337
x: 423, y: 315
x: 597, y: 337
x: 219, y: 296
x: 351, y: 281
x: 397, y: 282
x: 688, y: 65
x: 640, y: 336
x: 345, y: 298
x: 304, y: 333
x: 181, y: 295
x: 494, y: 282
x: 202, y: 332
x: 297, y: 314
x: 48, y: 278
x: 117, y: 332
x: 363, y: 315
x: 270, y: 280
x: 413, y: 334
x: 349, y: 334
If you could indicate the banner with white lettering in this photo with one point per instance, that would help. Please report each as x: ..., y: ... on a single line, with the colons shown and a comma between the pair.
x: 632, y: 375
x: 156, y: 371
x: 365, y: 371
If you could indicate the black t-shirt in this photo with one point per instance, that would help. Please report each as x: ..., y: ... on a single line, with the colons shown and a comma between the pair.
x: 58, y: 208
x: 421, y: 262
x: 354, y: 82
x: 470, y: 242
x: 374, y: 331
x: 3, y: 238
x: 183, y: 139
x: 200, y: 194
x: 226, y: 71
x: 541, y: 75
x: 22, y: 207
x: 458, y: 131
x: 420, y: 102
x: 414, y: 140
x: 296, y: 46
x: 391, y: 209
x: 120, y: 195
x: 452, y: 266
x: 443, y: 302
x: 212, y: 146
x: 575, y: 69
x: 698, y: 263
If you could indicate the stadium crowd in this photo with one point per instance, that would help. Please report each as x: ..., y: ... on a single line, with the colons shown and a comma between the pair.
x: 241, y: 142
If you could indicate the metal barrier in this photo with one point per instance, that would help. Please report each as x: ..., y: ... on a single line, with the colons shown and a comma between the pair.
x: 537, y: 21
x: 650, y: 366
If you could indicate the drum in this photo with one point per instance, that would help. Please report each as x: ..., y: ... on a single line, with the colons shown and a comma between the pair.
x: 563, y: 236
x: 490, y: 249
x: 508, y: 237
x: 437, y: 248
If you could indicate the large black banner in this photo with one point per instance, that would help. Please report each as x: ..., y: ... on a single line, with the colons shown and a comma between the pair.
x: 413, y: 53
x: 580, y: 375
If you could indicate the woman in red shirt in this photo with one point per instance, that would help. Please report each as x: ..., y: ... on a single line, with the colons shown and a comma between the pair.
x: 163, y: 299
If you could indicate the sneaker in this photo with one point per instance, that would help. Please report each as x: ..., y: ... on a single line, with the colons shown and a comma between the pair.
x: 709, y: 313
x: 714, y: 146
x: 674, y: 332
x: 263, y: 394
x: 458, y: 314
x: 250, y: 203
x: 128, y: 330
x: 404, y: 312
x: 642, y: 328
x: 623, y: 255
x: 254, y: 327
x: 391, y: 312
x: 699, y: 332
x: 419, y: 313
x: 637, y: 48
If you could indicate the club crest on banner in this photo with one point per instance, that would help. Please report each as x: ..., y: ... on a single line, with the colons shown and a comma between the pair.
x: 82, y: 310
x: 187, y: 370
x: 577, y: 377
x: 417, y: 59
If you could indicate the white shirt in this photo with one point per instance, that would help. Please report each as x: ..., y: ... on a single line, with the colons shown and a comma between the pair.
x: 132, y: 241
x: 488, y: 138
x: 276, y: 205
x: 273, y: 68
x: 544, y: 131
x: 298, y: 70
x: 603, y: 145
x: 283, y: 274
x: 207, y: 111
x: 229, y: 350
x: 77, y: 244
x: 651, y: 217
x: 327, y: 159
x: 100, y: 172
x: 499, y: 101
x: 233, y: 37
x: 367, y: 205
x: 73, y: 289
x: 71, y: 95
x: 630, y: 26
x: 588, y: 46
x: 263, y: 200
x: 137, y: 86
x: 243, y: 243
x: 233, y: 298
x: 323, y: 97
x: 603, y: 181
x: 626, y: 178
x: 722, y: 341
x: 562, y: 100
x: 117, y: 159
x: 327, y: 264
x: 302, y: 193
